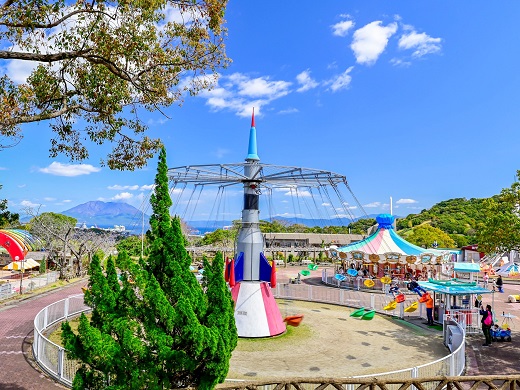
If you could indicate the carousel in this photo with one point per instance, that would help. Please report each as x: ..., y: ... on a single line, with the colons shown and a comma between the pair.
x: 385, y: 253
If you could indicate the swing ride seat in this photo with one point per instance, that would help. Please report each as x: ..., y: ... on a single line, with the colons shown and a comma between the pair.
x: 352, y: 272
x: 391, y: 306
x: 424, y: 297
x: 313, y: 267
x: 386, y: 280
x: 305, y: 272
x: 293, y: 320
x: 412, y: 307
x: 340, y: 277
x: 369, y: 283
x: 368, y: 315
x: 400, y: 298
x: 358, y: 312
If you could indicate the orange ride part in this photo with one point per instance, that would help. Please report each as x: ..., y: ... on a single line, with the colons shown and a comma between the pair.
x: 400, y: 298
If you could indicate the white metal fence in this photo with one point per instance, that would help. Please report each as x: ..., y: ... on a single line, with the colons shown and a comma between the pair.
x: 451, y: 365
x: 29, y: 284
x: 53, y: 360
x: 50, y: 356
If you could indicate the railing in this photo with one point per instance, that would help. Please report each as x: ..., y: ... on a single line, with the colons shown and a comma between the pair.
x: 50, y: 356
x: 509, y: 382
x: 453, y: 364
x: 53, y: 359
x: 12, y: 288
x: 468, y: 318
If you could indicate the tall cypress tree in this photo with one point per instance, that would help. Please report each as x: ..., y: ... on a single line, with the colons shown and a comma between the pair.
x: 160, y: 329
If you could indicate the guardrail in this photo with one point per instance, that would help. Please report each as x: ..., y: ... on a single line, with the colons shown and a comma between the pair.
x: 452, y: 364
x: 53, y: 359
x: 452, y: 382
x: 50, y: 356
x: 12, y: 288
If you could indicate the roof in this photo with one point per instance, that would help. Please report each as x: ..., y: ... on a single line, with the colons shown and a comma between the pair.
x: 386, y: 240
x: 466, y: 267
x: 315, y: 238
x: 454, y: 288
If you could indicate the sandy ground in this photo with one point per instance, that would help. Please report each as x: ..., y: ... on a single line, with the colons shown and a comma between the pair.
x: 330, y: 343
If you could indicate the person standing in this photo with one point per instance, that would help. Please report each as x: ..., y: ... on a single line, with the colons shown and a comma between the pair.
x: 429, y: 308
x: 485, y: 278
x: 487, y: 323
x: 500, y: 284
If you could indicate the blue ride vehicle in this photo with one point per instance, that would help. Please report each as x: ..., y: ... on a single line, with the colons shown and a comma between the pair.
x: 502, y: 334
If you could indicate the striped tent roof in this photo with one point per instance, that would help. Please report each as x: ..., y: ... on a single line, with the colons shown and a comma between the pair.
x: 386, y: 240
x: 18, y: 242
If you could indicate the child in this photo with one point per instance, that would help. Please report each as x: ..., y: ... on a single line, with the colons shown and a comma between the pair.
x: 495, y: 331
x: 394, y: 290
x: 414, y: 286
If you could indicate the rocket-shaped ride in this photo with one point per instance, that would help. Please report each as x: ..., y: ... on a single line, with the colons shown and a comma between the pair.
x: 250, y: 274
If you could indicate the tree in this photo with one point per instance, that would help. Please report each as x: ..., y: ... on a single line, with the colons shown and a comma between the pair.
x: 56, y: 232
x: 160, y: 329
x: 220, y: 237
x: 361, y: 226
x: 133, y: 245
x: 87, y: 242
x: 7, y: 219
x: 98, y: 65
x: 425, y: 235
x: 500, y: 230
x: 43, y: 265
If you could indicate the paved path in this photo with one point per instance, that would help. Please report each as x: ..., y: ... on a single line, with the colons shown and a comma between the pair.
x: 18, y: 371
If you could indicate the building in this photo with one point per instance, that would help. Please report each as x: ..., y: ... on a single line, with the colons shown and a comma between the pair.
x: 299, y: 241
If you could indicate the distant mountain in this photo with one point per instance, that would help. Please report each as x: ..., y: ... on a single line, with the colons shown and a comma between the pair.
x: 204, y: 227
x: 108, y: 214
x: 312, y: 222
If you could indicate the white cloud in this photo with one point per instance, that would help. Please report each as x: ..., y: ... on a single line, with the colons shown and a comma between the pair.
x: 373, y: 205
x: 342, y: 28
x: 400, y: 62
x: 117, y: 187
x: 306, y: 81
x: 406, y: 201
x: 221, y: 152
x: 154, y: 122
x: 18, y: 71
x: 289, y: 111
x: 325, y: 204
x: 123, y: 196
x: 49, y: 199
x: 66, y: 201
x: 298, y: 193
x: 371, y: 40
x: 22, y: 185
x: 28, y: 203
x: 147, y: 187
x: 259, y: 87
x: 3, y: 169
x: 422, y: 43
x: 240, y: 93
x: 341, y: 81
x: 70, y: 170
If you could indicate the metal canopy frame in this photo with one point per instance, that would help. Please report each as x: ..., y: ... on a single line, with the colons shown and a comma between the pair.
x: 268, y: 176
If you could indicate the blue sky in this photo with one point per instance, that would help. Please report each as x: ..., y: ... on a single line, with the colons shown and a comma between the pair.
x: 417, y: 101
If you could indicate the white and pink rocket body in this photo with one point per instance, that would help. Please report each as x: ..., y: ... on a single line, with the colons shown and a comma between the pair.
x: 249, y: 274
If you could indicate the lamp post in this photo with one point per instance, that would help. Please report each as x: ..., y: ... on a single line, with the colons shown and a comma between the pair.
x: 16, y: 258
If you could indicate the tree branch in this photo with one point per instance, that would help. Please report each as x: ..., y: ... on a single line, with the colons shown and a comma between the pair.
x: 49, y: 58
